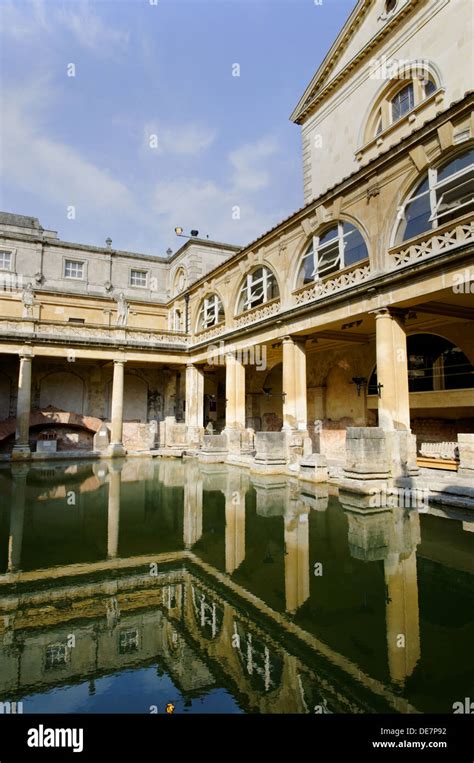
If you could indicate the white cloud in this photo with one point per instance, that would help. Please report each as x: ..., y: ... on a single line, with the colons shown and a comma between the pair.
x: 245, y: 160
x: 231, y: 211
x: 89, y: 29
x: 186, y: 140
x: 37, y: 164
x: 40, y: 19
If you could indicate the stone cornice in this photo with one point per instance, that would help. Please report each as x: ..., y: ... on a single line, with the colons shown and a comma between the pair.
x: 313, y: 95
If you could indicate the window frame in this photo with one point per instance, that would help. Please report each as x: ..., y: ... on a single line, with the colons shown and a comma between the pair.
x: 208, y: 316
x: 68, y: 261
x: 435, y: 194
x: 142, y: 271
x: 411, y: 89
x: 10, y: 254
x: 312, y: 251
x: 267, y: 282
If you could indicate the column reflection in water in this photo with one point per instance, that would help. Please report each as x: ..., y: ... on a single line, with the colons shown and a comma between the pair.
x: 276, y: 497
x: 299, y: 504
x: 193, y: 491
x: 17, y: 514
x: 235, y: 490
x: 391, y: 535
x: 113, y: 510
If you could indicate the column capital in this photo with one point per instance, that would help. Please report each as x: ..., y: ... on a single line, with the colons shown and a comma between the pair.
x: 25, y: 355
x: 119, y: 361
x: 389, y: 312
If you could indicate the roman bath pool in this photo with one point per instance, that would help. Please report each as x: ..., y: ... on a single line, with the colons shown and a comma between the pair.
x: 132, y: 585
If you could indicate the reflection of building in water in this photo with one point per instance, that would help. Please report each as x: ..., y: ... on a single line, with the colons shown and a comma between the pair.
x: 178, y: 620
x: 391, y: 535
x: 216, y: 619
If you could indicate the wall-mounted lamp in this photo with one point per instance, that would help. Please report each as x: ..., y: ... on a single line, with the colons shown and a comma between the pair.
x: 267, y: 391
x: 379, y: 389
x: 359, y: 381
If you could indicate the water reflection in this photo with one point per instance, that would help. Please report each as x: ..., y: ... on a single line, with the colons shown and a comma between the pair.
x: 244, y: 592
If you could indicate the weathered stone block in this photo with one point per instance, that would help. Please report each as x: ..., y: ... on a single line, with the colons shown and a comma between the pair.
x: 466, y: 455
x: 366, y: 453
x: 314, y: 468
x: 270, y: 447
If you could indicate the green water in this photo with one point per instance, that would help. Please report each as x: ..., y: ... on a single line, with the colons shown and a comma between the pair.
x: 128, y: 586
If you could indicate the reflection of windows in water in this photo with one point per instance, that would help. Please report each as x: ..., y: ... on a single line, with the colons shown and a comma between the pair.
x: 260, y: 662
x: 312, y: 696
x: 128, y: 641
x: 55, y: 656
x: 170, y: 597
x: 208, y: 614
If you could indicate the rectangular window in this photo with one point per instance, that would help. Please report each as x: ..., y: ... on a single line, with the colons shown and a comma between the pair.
x: 128, y: 641
x: 81, y: 321
x: 139, y: 278
x: 56, y: 656
x: 5, y: 260
x: 403, y: 102
x: 73, y: 269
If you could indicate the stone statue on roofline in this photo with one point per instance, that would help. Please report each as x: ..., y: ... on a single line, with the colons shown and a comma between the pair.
x: 122, y: 310
x: 28, y: 299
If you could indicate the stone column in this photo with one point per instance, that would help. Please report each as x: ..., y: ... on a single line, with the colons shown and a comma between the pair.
x: 21, y: 448
x: 113, y: 512
x: 294, y: 385
x: 234, y: 522
x: 235, y: 404
x: 392, y: 371
x: 194, y: 414
x: 235, y: 393
x: 17, y: 515
x: 116, y: 444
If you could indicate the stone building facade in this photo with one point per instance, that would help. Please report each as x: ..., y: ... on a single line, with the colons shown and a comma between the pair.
x: 353, y: 312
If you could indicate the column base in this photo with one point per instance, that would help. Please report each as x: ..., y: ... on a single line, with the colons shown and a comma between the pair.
x: 115, y: 450
x: 21, y: 452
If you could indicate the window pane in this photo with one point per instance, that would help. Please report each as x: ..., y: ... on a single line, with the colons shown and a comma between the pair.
x: 138, y: 278
x: 355, y: 249
x: 430, y: 87
x: 417, y: 212
x: 5, y: 260
x: 457, y: 164
x: 73, y: 269
x: 402, y: 102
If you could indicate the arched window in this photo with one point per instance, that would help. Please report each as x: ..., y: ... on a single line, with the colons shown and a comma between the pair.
x: 338, y: 247
x: 409, y: 85
x: 434, y: 363
x: 259, y: 286
x: 211, y: 312
x: 442, y: 195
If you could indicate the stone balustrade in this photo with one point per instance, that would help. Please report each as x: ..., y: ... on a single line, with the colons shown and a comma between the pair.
x: 432, y: 243
x: 56, y: 331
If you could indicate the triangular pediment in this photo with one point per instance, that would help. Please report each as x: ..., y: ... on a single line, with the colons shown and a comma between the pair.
x: 366, y: 22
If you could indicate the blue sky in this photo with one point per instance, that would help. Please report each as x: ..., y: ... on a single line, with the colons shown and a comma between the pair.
x: 144, y: 70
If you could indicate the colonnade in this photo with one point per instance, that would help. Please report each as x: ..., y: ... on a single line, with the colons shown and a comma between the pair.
x: 392, y: 372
